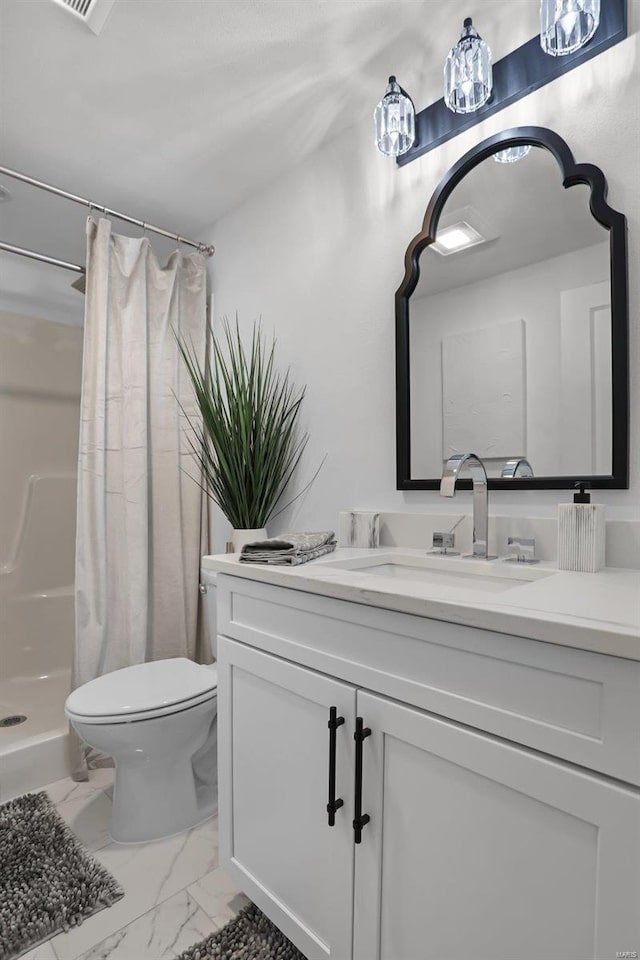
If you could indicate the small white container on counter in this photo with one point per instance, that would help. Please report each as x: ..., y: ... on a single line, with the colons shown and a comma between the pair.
x: 359, y: 528
x: 581, y: 534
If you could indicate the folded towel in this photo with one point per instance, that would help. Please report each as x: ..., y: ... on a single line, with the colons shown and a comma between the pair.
x: 290, y: 548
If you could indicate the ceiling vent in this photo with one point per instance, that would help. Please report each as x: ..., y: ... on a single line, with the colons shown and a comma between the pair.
x: 92, y: 12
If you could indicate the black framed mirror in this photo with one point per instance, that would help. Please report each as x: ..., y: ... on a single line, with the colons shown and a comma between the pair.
x: 512, y: 323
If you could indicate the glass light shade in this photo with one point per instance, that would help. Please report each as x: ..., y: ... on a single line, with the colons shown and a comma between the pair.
x: 468, y: 75
x: 512, y: 154
x: 566, y: 25
x: 395, y: 121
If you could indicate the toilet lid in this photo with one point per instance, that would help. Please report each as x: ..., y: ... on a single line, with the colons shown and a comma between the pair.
x: 144, y: 688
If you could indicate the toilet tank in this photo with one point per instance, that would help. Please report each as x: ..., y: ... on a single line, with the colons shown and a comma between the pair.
x: 208, y: 581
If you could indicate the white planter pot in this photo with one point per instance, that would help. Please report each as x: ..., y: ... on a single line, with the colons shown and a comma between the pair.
x: 240, y: 537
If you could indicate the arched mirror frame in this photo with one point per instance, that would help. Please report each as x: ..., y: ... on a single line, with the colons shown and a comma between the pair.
x: 572, y: 173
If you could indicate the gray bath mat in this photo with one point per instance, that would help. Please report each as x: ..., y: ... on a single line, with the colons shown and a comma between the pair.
x: 249, y: 936
x: 48, y: 881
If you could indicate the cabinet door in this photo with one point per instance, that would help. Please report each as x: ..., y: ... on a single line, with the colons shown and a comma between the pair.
x: 479, y: 849
x: 275, y: 840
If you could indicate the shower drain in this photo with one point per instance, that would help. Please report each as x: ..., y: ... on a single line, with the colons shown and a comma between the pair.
x: 12, y: 721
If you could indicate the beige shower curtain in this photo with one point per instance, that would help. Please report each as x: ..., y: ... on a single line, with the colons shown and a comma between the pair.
x: 140, y: 511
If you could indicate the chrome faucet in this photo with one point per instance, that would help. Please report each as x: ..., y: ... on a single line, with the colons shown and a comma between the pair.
x: 480, y: 497
x: 517, y: 468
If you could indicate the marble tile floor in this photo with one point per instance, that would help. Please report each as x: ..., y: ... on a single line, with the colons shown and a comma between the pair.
x: 175, y: 893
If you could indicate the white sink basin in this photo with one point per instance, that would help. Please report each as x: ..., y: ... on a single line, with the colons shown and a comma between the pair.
x: 487, y: 576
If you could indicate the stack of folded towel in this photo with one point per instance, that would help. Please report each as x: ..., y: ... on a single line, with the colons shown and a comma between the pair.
x: 290, y: 548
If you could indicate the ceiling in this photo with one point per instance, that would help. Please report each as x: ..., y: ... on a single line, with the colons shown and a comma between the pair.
x: 182, y: 109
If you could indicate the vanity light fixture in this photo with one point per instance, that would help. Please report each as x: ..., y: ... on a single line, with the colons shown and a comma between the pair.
x: 458, y: 236
x: 395, y: 121
x: 475, y: 88
x: 567, y: 25
x: 468, y: 74
x: 512, y: 154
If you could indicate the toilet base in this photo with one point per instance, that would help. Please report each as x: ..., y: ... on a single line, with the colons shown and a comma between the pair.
x: 127, y: 830
x: 167, y: 836
x: 166, y: 771
x: 155, y: 804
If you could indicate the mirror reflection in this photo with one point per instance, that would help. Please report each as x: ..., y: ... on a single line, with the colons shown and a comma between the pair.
x: 510, y: 328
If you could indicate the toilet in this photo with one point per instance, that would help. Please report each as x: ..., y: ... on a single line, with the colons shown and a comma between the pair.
x: 158, y: 721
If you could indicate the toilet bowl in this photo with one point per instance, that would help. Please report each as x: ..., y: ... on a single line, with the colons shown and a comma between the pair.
x: 158, y: 721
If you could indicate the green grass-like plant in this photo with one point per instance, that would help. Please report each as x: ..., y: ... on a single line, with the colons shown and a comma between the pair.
x: 248, y: 444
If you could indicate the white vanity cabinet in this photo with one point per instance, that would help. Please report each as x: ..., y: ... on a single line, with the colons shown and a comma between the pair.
x: 478, y: 848
x: 275, y: 838
x: 475, y: 841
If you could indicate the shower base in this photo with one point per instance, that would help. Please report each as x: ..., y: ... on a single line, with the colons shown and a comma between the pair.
x: 35, y: 751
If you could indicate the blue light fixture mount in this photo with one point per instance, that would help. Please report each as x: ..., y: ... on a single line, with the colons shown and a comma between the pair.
x: 519, y: 73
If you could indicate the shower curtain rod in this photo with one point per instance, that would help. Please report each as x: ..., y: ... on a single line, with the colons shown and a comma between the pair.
x: 201, y: 247
x: 23, y: 252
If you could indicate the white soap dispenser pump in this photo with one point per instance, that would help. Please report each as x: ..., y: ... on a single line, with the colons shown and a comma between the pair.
x: 581, y: 533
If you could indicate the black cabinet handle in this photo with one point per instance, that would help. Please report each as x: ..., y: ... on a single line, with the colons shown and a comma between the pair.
x: 334, y: 722
x: 360, y: 819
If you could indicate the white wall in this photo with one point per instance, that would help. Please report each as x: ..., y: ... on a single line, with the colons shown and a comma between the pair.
x: 320, y: 254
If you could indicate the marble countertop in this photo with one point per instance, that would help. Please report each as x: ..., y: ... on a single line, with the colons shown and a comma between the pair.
x: 599, y: 612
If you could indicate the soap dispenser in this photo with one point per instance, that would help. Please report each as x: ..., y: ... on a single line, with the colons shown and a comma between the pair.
x: 581, y: 533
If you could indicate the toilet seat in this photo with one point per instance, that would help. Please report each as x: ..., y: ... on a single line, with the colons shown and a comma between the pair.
x: 143, y: 691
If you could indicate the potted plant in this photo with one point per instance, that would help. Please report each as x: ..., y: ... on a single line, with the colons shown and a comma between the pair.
x: 248, y: 444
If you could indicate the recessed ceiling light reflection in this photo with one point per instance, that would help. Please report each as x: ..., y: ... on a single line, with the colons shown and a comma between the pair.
x: 459, y: 236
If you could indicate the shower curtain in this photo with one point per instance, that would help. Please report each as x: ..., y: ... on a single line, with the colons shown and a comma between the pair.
x: 140, y: 519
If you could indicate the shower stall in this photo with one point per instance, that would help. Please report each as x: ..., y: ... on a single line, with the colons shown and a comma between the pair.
x: 40, y: 374
x: 40, y: 388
